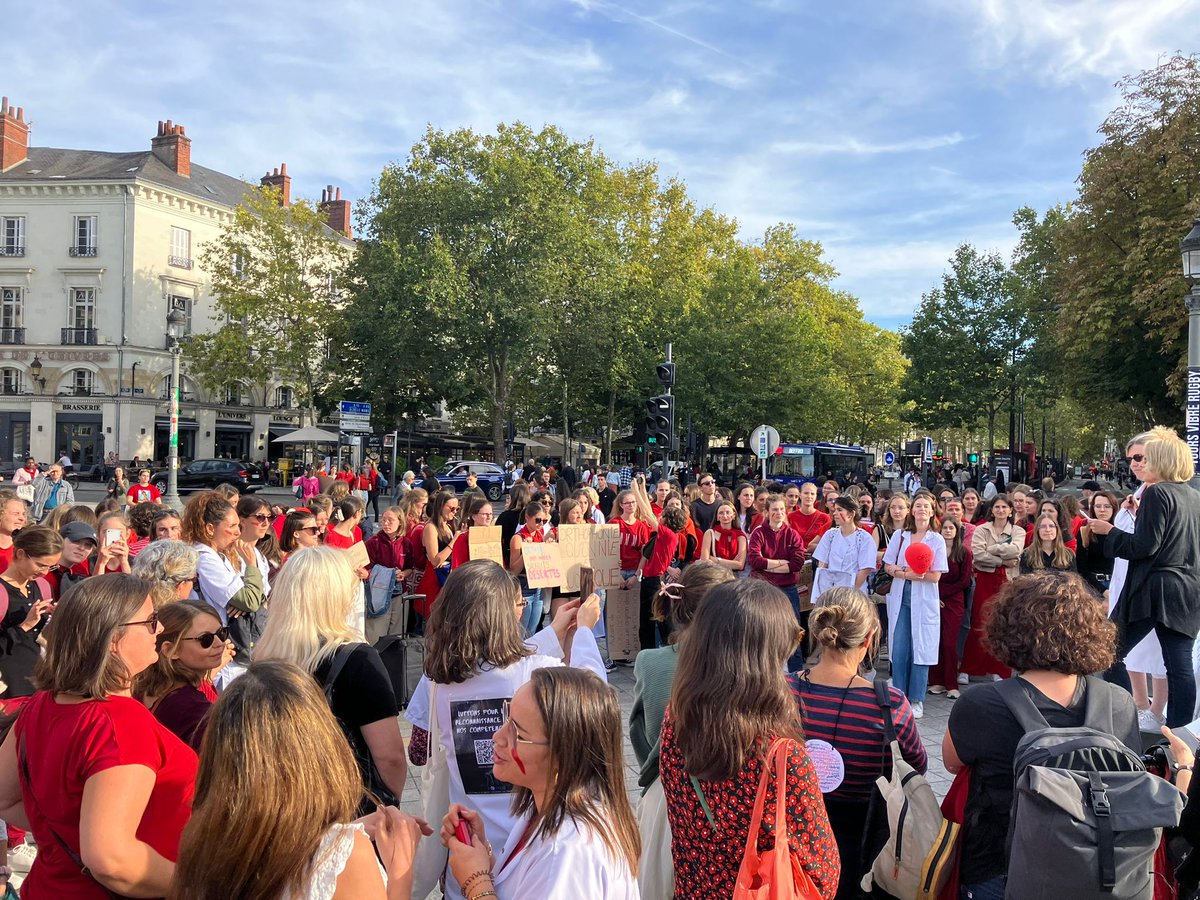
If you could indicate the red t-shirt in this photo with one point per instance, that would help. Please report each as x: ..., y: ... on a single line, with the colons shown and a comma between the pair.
x: 347, y: 477
x: 334, y: 539
x: 662, y: 554
x: 68, y: 743
x: 461, y: 552
x: 809, y: 526
x: 6, y: 555
x: 143, y: 493
x: 633, y: 538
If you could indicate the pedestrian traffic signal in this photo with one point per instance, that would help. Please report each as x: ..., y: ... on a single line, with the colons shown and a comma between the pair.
x: 660, y: 420
x: 973, y: 458
x: 666, y: 374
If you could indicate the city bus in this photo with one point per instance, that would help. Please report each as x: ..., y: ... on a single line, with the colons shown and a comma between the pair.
x: 798, y: 463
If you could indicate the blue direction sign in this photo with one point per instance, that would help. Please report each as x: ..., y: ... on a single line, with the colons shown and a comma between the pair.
x: 354, y: 416
x: 889, y: 458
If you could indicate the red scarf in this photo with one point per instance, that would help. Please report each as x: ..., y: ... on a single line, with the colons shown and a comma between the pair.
x: 727, y: 541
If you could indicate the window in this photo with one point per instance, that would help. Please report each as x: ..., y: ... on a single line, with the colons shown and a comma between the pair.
x: 82, y: 314
x: 84, y: 240
x: 10, y: 381
x: 233, y: 395
x: 81, y: 383
x: 12, y: 236
x: 179, y: 301
x: 11, y: 306
x: 285, y: 398
x: 239, y: 266
x: 181, y: 248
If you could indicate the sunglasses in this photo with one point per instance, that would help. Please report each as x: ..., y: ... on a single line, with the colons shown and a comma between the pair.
x: 206, y: 639
x: 311, y: 529
x: 540, y: 521
x: 150, y: 623
x: 1138, y: 457
x: 707, y: 483
x: 260, y: 517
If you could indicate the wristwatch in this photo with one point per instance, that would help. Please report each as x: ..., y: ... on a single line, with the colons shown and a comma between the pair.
x: 1177, y: 767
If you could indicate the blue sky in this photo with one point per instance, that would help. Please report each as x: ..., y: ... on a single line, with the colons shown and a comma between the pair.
x: 890, y: 132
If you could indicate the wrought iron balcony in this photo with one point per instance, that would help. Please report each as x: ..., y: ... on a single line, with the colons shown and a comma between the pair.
x: 78, y: 336
x: 12, y: 249
x: 82, y: 250
x: 180, y: 262
x: 12, y: 335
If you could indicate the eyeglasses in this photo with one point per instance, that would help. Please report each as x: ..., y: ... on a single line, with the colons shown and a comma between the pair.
x: 151, y: 623
x: 508, y: 723
x: 1138, y: 457
x: 260, y: 517
x: 707, y: 483
x: 206, y: 639
x: 310, y: 529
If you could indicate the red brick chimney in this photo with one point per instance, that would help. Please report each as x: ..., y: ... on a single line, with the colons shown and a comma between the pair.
x: 282, y: 182
x: 173, y: 147
x: 14, y: 135
x: 337, y: 210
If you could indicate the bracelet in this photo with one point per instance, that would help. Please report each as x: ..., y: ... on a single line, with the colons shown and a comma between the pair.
x: 488, y: 893
x: 471, y: 879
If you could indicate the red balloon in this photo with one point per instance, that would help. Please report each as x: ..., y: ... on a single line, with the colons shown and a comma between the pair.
x: 919, y: 557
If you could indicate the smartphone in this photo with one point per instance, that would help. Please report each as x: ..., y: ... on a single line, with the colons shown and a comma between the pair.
x: 1189, y: 734
x: 111, y: 535
x: 462, y: 832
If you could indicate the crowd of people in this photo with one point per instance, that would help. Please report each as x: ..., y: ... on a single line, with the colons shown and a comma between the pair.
x: 196, y: 704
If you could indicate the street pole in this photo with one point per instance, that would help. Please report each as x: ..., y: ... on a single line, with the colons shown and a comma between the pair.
x: 1192, y: 400
x: 671, y: 436
x: 175, y: 320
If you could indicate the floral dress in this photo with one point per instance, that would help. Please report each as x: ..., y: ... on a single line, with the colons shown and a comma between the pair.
x: 707, y: 861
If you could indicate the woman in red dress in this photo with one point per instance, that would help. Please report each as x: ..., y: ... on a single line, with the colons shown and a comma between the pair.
x: 437, y: 538
x: 996, y: 549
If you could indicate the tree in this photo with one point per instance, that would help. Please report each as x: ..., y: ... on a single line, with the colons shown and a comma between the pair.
x: 966, y: 344
x: 1122, y: 324
x: 274, y: 272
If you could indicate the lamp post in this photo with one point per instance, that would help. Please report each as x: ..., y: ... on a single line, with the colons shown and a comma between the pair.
x: 176, y: 319
x: 1189, y: 249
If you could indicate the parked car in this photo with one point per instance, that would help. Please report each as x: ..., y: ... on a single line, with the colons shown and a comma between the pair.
x: 489, y: 477
x: 206, y: 474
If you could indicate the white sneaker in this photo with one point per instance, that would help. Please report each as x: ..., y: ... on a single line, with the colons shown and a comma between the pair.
x: 964, y: 678
x: 996, y: 678
x: 936, y: 689
x: 918, y: 710
x: 953, y: 694
x: 1149, y: 721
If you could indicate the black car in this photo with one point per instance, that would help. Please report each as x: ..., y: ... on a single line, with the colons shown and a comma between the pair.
x: 206, y: 474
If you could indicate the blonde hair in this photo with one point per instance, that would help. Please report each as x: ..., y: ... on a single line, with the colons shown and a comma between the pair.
x: 311, y: 598
x: 1168, y: 456
x: 843, y: 620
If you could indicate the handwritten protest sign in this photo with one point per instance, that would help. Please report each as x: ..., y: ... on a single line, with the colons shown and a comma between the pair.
x: 595, y: 546
x: 484, y: 542
x: 356, y: 555
x: 543, y: 566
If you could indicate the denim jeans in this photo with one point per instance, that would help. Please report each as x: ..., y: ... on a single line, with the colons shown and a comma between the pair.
x: 1177, y: 655
x: 910, y: 679
x: 532, y: 616
x: 796, y: 660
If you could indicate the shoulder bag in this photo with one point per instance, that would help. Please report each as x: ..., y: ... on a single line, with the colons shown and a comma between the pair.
x: 429, y: 863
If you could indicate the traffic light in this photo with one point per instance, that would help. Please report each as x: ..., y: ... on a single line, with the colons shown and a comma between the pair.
x: 972, y: 458
x: 660, y: 420
x: 666, y: 374
x: 510, y: 432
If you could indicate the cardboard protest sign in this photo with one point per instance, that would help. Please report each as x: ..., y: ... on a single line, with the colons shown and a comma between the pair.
x: 597, y: 547
x: 356, y: 555
x: 484, y: 543
x: 543, y: 566
x: 621, y: 619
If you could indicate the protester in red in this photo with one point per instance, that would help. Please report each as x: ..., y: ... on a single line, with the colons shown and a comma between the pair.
x: 143, y: 491
x: 12, y: 518
x: 88, y: 767
x: 777, y: 556
x: 808, y: 521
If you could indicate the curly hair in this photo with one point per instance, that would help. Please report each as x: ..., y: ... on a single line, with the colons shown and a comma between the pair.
x: 1050, y: 622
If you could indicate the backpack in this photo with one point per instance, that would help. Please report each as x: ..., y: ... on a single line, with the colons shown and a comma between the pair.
x: 920, y: 844
x: 1087, y: 817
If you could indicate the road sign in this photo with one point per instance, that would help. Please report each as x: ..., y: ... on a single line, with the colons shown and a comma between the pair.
x: 889, y: 458
x: 354, y: 416
x: 764, y: 441
x: 928, y: 449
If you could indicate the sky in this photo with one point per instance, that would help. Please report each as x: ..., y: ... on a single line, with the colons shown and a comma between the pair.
x: 889, y: 132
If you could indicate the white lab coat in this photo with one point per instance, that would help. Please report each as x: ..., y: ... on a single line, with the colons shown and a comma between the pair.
x: 845, y: 557
x: 926, y: 604
x: 472, y: 709
x: 573, y: 864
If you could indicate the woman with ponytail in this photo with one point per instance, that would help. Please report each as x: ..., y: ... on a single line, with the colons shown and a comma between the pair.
x: 843, y: 716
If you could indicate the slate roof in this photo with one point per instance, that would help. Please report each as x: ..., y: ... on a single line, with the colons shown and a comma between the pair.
x: 46, y: 163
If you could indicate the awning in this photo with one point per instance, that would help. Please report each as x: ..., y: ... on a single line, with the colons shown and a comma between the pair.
x: 184, y: 424
x: 528, y: 441
x: 233, y: 426
x: 305, y: 435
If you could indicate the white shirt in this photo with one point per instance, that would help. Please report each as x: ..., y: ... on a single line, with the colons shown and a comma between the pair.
x: 468, y: 715
x: 65, y: 462
x: 573, y: 864
x: 925, y: 602
x: 330, y: 861
x: 844, y: 557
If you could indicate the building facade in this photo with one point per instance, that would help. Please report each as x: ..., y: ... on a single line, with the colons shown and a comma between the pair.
x: 95, y: 249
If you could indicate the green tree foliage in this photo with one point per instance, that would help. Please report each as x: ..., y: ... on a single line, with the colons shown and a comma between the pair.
x: 1122, y: 325
x: 273, y: 272
x: 967, y: 343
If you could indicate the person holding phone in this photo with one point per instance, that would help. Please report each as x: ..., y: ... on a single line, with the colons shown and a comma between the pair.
x: 36, y: 551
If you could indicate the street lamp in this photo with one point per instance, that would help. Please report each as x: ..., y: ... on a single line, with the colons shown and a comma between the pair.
x: 1189, y: 249
x: 35, y: 370
x: 176, y: 320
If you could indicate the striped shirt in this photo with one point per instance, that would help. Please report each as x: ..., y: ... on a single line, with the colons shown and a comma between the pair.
x: 850, y: 720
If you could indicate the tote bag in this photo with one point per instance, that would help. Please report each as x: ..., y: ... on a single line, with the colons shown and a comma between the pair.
x: 429, y: 864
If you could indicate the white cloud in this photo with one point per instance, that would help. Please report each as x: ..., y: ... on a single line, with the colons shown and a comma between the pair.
x: 856, y: 147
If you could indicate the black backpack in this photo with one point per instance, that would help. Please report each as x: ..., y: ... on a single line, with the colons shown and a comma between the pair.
x: 1087, y: 817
